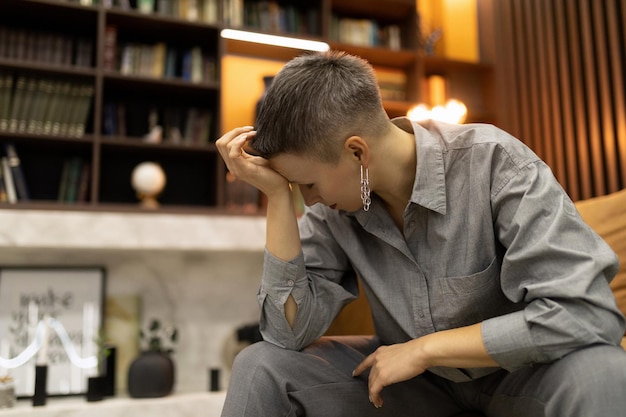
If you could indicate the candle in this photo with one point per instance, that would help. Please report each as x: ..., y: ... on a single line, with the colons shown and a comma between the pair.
x: 42, y: 359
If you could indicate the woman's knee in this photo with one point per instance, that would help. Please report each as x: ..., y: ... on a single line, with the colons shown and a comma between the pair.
x: 588, y: 378
x: 260, y: 354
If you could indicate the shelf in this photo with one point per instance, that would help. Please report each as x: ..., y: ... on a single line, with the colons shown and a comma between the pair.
x: 382, y: 10
x: 31, y: 139
x: 156, y: 21
x: 403, y: 58
x: 165, y: 85
x: 440, y: 65
x: 139, y: 143
x: 47, y: 68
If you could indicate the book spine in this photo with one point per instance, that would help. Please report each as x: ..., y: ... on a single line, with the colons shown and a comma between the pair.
x: 16, y: 103
x: 6, y: 88
x: 110, y: 48
x: 8, y: 180
x: 16, y: 171
x: 3, y: 189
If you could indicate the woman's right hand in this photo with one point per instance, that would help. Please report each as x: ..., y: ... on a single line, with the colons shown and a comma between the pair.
x: 252, y: 169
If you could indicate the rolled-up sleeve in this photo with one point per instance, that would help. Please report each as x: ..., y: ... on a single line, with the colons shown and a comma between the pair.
x: 557, y: 266
x: 320, y: 279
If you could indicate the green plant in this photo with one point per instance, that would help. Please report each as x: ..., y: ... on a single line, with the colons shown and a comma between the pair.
x: 159, y: 338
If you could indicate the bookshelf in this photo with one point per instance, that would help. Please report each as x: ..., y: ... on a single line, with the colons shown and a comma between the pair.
x: 94, y: 74
x: 117, y: 72
x: 401, y: 61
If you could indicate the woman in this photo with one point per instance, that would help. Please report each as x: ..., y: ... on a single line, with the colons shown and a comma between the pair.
x: 488, y: 292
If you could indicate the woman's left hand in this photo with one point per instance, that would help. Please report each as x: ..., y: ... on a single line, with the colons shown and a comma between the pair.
x: 389, y: 365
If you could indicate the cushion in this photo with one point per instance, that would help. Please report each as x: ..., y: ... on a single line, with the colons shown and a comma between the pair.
x: 607, y: 216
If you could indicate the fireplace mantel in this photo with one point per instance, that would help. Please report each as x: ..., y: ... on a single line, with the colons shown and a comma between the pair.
x: 41, y: 229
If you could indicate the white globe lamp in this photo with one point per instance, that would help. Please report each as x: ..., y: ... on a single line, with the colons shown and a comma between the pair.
x: 148, y: 179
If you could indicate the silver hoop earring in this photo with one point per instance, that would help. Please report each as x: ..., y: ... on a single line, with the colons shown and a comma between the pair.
x: 365, y: 189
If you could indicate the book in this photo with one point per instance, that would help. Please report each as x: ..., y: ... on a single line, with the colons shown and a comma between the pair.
x: 42, y: 102
x: 3, y: 190
x: 83, y: 106
x: 52, y: 106
x: 6, y: 92
x: 158, y: 60
x: 63, y: 181
x: 16, y: 103
x: 17, y: 173
x: 73, y: 179
x: 165, y: 7
x: 209, y: 11
x: 83, y: 182
x: 70, y: 108
x: 197, y: 62
x: 110, y: 48
x: 8, y: 180
x: 109, y: 119
x: 145, y: 6
x: 171, y: 59
x: 60, y: 107
x: 70, y: 179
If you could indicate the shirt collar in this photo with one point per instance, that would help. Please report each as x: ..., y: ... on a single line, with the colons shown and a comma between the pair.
x: 429, y: 187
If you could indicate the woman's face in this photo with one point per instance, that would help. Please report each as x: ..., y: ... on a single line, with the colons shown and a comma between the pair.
x: 334, y: 185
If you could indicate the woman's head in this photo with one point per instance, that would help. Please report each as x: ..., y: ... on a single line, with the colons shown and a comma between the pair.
x: 317, y: 101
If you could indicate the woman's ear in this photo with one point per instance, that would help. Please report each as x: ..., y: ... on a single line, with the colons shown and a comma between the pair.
x: 357, y: 148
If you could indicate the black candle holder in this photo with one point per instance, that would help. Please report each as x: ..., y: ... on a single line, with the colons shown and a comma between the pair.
x: 41, y: 379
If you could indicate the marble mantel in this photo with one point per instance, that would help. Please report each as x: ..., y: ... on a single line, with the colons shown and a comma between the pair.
x: 39, y: 229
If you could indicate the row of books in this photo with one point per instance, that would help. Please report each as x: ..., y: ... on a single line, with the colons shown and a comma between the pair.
x: 73, y: 186
x: 193, y: 10
x: 74, y: 183
x: 270, y: 16
x: 179, y: 125
x: 40, y: 105
x: 365, y: 32
x: 391, y: 83
x: 45, y: 47
x: 158, y: 60
x: 12, y: 182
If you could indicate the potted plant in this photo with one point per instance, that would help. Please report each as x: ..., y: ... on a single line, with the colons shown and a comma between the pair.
x: 151, y: 374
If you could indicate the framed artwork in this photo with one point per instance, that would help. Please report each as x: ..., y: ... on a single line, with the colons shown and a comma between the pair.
x: 73, y: 299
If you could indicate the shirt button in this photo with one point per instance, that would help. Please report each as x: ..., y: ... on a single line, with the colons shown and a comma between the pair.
x: 412, y: 224
x: 290, y: 283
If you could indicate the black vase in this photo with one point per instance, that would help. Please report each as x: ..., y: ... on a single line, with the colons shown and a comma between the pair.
x: 151, y: 375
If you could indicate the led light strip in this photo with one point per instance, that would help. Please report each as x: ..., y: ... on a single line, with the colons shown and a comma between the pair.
x: 275, y: 40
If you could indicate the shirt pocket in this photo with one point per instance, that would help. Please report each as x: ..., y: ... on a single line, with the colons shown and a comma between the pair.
x: 465, y: 300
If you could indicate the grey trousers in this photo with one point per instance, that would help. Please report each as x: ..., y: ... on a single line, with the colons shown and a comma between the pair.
x: 274, y: 382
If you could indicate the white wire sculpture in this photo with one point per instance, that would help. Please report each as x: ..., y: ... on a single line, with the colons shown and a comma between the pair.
x: 35, y: 346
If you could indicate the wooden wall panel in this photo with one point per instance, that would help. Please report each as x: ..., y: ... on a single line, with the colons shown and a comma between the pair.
x: 561, y: 71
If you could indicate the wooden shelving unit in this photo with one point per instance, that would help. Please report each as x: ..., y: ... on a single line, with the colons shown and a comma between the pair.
x: 125, y: 102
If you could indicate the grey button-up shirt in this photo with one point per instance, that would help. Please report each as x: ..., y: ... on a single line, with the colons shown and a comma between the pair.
x: 489, y: 236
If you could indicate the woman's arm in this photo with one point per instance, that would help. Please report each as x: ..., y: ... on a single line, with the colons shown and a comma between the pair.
x: 455, y: 348
x: 282, y: 237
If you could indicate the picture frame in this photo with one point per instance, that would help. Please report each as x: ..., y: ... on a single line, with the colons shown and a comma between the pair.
x: 70, y: 296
